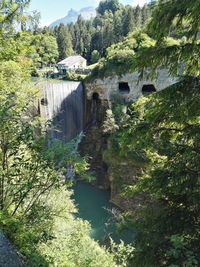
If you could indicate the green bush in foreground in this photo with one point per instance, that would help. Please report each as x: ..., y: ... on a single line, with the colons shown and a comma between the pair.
x: 54, y: 237
x: 36, y: 212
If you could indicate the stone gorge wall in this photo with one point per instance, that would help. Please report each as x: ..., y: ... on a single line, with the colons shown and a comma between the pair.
x: 111, y: 85
x: 111, y: 170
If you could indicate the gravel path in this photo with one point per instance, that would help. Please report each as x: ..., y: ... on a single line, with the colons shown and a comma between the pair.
x: 8, y: 256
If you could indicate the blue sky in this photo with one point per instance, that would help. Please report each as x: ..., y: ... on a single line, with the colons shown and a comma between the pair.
x: 54, y: 9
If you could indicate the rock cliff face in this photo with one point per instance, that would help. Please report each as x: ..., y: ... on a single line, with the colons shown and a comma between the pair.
x: 122, y: 171
x: 94, y: 141
x: 111, y: 170
x: 72, y: 16
x: 128, y: 86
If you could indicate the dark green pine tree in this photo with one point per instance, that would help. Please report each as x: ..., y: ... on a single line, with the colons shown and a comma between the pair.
x: 64, y: 42
x: 146, y: 14
x: 80, y: 47
x: 71, y: 29
x: 129, y: 21
x: 118, y: 26
x: 107, y: 31
x: 88, y: 39
x: 138, y: 16
x: 97, y: 41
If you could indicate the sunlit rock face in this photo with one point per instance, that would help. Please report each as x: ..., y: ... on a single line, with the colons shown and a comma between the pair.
x: 128, y: 87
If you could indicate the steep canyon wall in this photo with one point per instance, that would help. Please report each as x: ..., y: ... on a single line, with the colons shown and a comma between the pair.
x: 111, y: 170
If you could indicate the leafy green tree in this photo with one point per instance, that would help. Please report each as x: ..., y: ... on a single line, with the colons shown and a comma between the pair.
x: 46, y: 49
x: 95, y: 56
x: 180, y: 59
x: 164, y: 130
x: 109, y: 125
x: 108, y: 27
x: 80, y: 47
x: 119, y: 57
x: 12, y: 12
x: 23, y: 156
x: 146, y: 14
x: 118, y: 26
x: 177, y: 14
x: 97, y: 41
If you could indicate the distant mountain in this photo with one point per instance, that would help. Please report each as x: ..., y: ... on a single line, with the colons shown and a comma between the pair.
x: 86, y: 13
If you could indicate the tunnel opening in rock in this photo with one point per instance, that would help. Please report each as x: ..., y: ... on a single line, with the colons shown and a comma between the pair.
x: 44, y: 101
x: 148, y: 89
x: 95, y: 96
x: 124, y: 88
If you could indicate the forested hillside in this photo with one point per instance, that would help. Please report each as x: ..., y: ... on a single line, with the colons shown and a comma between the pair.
x: 91, y: 38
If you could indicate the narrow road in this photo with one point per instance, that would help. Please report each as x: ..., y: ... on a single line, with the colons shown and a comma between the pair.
x: 8, y: 256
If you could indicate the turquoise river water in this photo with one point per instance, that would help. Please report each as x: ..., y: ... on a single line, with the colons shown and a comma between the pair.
x: 94, y: 206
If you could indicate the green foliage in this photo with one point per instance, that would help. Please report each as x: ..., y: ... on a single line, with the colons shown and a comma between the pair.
x: 180, y: 253
x: 122, y: 253
x: 36, y: 211
x: 120, y: 113
x: 181, y: 15
x: 172, y: 18
x: 54, y: 237
x: 12, y: 13
x: 108, y: 5
x: 44, y: 50
x: 74, y: 76
x: 28, y: 169
x: 165, y: 127
x: 72, y: 246
x: 41, y: 48
x: 95, y: 56
x: 64, y: 42
x: 119, y: 57
x: 113, y: 22
x: 109, y: 125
